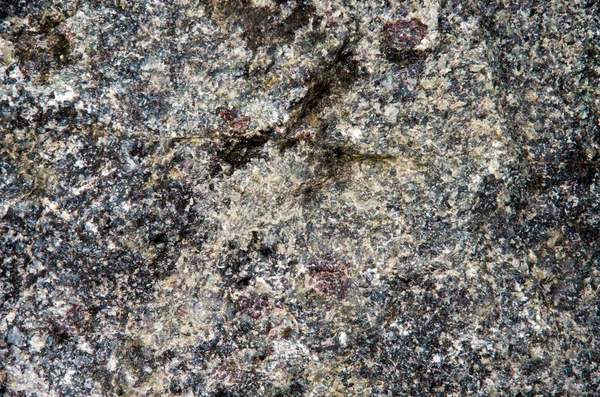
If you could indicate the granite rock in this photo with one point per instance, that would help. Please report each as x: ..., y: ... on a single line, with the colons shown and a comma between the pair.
x: 299, y: 198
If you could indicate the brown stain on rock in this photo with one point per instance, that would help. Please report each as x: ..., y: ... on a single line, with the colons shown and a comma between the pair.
x: 265, y: 26
x: 44, y: 48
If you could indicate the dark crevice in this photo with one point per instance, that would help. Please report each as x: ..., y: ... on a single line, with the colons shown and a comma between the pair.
x: 239, y: 151
x: 341, y: 72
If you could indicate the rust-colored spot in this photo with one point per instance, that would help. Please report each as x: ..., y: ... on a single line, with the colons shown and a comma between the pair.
x: 286, y: 332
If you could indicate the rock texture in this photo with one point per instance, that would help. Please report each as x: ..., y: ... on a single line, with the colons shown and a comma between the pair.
x: 299, y: 198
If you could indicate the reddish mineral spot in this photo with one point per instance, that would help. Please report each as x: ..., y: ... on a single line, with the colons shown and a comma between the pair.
x: 234, y: 120
x: 329, y: 276
x: 226, y: 114
x: 401, y: 38
x: 252, y: 304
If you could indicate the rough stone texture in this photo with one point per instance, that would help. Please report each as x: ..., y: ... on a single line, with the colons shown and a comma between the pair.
x: 266, y: 198
x: 15, y: 337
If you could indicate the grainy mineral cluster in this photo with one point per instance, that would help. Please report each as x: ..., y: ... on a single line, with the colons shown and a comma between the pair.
x: 299, y: 198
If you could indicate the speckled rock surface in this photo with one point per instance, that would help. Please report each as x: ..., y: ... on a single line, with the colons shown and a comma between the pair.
x: 299, y: 198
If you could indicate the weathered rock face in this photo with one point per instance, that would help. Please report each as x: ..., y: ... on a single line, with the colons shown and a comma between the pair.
x: 299, y: 198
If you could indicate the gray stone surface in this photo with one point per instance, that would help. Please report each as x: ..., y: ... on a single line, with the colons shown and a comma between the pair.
x: 15, y: 337
x: 299, y: 198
